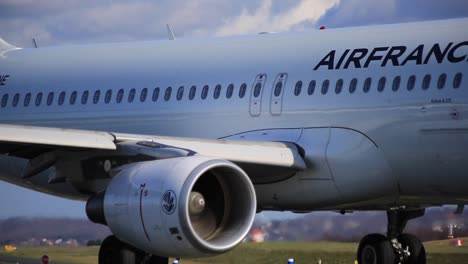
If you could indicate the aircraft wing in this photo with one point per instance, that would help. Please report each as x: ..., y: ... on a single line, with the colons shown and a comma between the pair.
x: 29, y: 142
x: 17, y: 136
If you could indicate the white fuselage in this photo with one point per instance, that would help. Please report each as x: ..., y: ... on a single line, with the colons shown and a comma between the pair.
x: 422, y: 132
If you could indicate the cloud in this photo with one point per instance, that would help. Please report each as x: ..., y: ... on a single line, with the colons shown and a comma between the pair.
x: 195, y: 14
x: 74, y: 21
x: 369, y: 12
x: 263, y: 18
x: 57, y: 22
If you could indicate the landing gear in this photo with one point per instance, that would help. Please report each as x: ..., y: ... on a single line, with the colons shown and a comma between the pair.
x: 113, y: 251
x: 415, y: 247
x: 375, y: 249
x: 396, y: 247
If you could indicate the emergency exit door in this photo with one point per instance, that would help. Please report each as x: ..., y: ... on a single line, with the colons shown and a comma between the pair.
x: 276, y: 102
x: 256, y: 95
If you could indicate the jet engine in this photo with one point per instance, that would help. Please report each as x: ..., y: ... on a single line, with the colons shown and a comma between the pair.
x: 186, y: 207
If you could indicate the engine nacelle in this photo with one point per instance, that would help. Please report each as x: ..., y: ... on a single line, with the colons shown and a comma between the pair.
x: 185, y: 207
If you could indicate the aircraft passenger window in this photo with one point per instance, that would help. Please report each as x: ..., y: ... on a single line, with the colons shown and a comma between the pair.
x: 73, y: 96
x: 325, y: 86
x: 16, y: 99
x: 217, y: 91
x: 339, y: 86
x: 411, y: 82
x: 381, y: 85
x: 27, y: 99
x: 367, y: 85
x: 257, y: 89
x: 143, y: 94
x: 242, y: 90
x: 108, y: 96
x: 50, y: 98
x: 155, y: 94
x: 96, y: 96
x: 4, y: 100
x: 84, y: 97
x: 311, y: 88
x: 426, y: 82
x: 38, y: 99
x: 352, y: 85
x: 204, y: 92
x: 278, y: 88
x: 441, y: 81
x: 457, y: 80
x: 396, y: 83
x: 120, y: 95
x: 230, y: 91
x: 61, y: 98
x: 167, y: 94
x: 193, y: 91
x: 180, y: 93
x: 131, y: 95
x: 298, y: 88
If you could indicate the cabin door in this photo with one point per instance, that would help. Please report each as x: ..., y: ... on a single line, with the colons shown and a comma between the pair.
x: 256, y: 95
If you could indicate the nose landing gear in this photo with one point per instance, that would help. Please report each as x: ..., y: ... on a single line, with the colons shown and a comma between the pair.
x: 113, y: 251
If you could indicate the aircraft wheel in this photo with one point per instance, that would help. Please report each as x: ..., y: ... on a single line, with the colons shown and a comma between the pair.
x: 113, y: 251
x: 416, y: 249
x: 375, y: 249
x: 151, y: 259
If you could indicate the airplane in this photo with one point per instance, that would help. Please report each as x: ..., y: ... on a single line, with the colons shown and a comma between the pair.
x: 177, y: 144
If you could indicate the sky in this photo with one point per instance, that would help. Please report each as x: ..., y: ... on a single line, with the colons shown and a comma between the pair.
x: 64, y: 22
x: 59, y: 22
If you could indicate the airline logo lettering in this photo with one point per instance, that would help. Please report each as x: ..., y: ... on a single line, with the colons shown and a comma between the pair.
x: 169, y: 202
x: 394, y: 56
x: 3, y: 79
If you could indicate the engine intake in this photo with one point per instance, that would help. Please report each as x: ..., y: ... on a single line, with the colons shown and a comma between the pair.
x: 186, y: 207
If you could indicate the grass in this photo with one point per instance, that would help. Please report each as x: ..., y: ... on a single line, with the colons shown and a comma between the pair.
x: 81, y: 255
x: 439, y: 252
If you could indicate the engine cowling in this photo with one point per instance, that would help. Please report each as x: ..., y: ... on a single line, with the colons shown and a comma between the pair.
x: 185, y: 207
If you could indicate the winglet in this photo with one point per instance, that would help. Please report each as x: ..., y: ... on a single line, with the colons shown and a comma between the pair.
x: 170, y: 33
x: 6, y: 47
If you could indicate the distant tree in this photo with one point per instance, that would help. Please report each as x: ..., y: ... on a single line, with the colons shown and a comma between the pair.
x: 20, y: 229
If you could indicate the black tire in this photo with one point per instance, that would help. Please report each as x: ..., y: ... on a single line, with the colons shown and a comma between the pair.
x: 156, y: 260
x: 113, y: 251
x: 416, y: 249
x: 375, y: 249
x: 110, y: 249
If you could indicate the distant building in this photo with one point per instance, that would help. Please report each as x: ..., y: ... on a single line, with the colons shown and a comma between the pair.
x: 47, y: 242
x: 258, y: 236
x: 71, y: 243
x: 30, y: 242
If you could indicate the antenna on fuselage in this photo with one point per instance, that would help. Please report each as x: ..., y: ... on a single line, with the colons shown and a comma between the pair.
x: 170, y: 33
x: 34, y: 42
